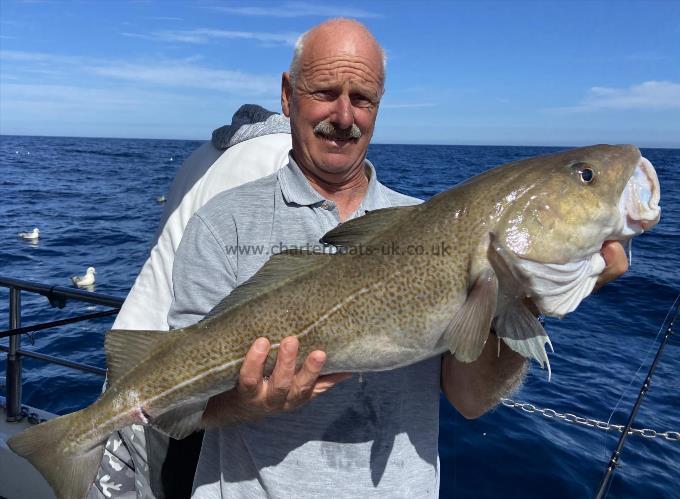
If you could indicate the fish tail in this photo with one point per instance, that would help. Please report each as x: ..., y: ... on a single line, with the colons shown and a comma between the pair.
x: 45, y: 446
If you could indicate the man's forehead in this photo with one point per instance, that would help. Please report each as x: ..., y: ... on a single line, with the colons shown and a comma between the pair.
x: 345, y: 66
x: 343, y: 41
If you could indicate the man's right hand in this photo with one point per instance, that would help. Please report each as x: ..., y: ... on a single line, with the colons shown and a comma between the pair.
x: 255, y: 397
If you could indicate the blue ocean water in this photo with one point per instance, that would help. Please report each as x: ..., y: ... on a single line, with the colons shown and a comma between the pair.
x: 94, y: 202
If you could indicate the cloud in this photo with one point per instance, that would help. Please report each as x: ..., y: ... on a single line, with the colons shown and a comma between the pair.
x: 648, y: 95
x: 179, y: 74
x: 168, y: 73
x: 205, y: 35
x: 66, y: 97
x: 299, y: 9
x: 38, y: 57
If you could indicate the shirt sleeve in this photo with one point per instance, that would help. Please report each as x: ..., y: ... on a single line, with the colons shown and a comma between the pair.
x: 203, y: 273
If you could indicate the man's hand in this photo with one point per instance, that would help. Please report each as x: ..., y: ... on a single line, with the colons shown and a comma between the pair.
x: 617, y: 262
x: 255, y: 397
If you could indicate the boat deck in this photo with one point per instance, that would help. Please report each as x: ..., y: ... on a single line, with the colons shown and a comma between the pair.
x: 18, y: 478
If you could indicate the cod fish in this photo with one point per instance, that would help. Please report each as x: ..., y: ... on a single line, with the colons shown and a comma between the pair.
x: 409, y: 283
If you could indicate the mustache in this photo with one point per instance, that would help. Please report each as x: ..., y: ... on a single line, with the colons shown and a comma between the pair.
x: 328, y: 130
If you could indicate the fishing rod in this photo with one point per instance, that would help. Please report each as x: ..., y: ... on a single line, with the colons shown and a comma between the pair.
x: 614, y: 461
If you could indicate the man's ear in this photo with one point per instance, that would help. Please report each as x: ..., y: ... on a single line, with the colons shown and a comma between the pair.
x: 286, y: 93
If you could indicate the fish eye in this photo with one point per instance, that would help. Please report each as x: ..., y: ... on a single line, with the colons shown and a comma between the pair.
x: 587, y: 175
x: 585, y: 172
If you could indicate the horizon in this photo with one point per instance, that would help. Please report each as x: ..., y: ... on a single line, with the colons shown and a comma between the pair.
x: 552, y: 146
x: 467, y: 73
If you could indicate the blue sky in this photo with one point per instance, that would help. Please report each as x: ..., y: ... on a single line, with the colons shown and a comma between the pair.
x: 459, y: 72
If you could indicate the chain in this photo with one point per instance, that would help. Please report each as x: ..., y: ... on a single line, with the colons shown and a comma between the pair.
x: 593, y: 423
x: 29, y: 416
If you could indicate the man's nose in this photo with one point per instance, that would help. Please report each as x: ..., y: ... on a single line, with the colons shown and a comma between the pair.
x: 342, y: 115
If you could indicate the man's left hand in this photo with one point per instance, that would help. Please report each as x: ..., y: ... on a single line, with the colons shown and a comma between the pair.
x: 617, y: 262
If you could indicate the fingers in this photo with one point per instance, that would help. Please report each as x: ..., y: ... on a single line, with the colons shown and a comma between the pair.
x: 308, y: 383
x: 286, y: 389
x: 616, y: 262
x: 281, y: 380
x: 305, y: 379
x: 252, y: 369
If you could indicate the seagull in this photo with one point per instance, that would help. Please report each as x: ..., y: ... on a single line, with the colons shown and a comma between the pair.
x: 86, y: 280
x: 34, y: 234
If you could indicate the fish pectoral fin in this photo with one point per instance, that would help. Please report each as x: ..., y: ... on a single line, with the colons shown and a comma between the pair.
x: 361, y: 230
x: 182, y: 421
x: 514, y: 323
x: 126, y: 349
x: 506, y: 266
x: 523, y: 333
x: 467, y: 333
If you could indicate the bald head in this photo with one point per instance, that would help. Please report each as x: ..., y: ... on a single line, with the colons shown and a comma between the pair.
x: 332, y: 96
x: 338, y: 32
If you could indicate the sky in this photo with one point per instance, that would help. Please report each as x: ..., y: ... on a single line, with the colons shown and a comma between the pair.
x: 564, y: 73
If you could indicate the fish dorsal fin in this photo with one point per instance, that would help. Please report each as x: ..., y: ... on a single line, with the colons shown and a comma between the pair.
x: 362, y: 230
x: 125, y: 349
x: 279, y: 270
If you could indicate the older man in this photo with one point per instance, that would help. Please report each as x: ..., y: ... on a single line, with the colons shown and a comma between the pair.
x: 371, y: 437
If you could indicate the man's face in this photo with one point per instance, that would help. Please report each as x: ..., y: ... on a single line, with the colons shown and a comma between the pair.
x: 341, y: 86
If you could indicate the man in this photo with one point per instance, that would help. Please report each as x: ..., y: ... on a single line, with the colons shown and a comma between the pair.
x: 275, y: 437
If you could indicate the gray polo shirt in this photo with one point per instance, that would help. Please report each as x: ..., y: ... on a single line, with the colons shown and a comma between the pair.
x: 369, y: 437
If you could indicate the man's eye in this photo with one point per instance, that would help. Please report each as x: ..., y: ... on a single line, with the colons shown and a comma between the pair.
x: 361, y: 100
x: 324, y: 94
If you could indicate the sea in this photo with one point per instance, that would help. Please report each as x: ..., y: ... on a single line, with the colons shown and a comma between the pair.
x: 95, y: 203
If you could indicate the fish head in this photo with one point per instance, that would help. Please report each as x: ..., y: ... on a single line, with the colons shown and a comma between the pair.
x: 554, y: 214
x: 566, y: 205
x: 547, y: 239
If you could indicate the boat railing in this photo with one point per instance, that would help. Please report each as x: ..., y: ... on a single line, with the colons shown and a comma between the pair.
x: 57, y: 297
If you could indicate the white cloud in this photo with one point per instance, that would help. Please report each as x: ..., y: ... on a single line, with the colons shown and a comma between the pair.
x: 169, y: 73
x: 205, y: 35
x: 66, y: 97
x: 648, y: 95
x: 109, y: 111
x: 299, y: 9
x: 179, y: 74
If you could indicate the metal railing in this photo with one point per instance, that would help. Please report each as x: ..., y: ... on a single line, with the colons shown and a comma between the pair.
x: 57, y: 297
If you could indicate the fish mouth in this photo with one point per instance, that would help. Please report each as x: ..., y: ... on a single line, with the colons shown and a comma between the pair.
x: 639, y: 202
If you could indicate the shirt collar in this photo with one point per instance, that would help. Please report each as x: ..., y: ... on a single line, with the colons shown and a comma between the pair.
x: 296, y: 188
x: 375, y: 196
